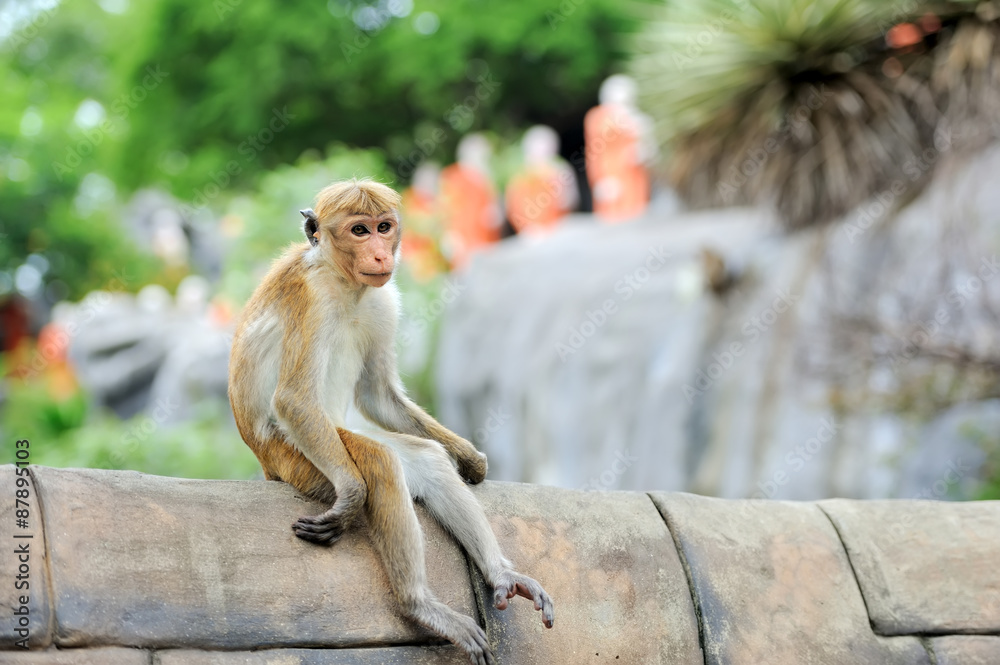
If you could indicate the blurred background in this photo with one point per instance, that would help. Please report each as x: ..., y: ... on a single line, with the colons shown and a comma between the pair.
x: 746, y: 248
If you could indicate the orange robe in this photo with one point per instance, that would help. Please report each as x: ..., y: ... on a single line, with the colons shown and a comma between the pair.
x: 421, y: 251
x: 535, y: 200
x: 468, y: 203
x: 612, y: 142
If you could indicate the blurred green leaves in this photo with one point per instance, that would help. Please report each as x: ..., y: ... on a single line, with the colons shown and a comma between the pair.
x: 177, y: 93
x: 232, y: 65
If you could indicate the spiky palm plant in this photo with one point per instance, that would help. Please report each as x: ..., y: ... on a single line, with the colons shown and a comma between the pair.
x: 806, y: 104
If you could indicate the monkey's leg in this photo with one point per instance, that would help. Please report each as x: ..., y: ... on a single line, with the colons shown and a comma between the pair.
x: 431, y: 477
x: 397, y: 537
x: 303, y: 423
x: 281, y: 461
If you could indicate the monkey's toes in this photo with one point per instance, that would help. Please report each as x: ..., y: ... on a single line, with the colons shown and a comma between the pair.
x: 526, y: 588
x: 321, y: 530
x: 474, y: 643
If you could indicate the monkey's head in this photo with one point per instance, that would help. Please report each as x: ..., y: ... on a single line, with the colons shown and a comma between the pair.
x: 355, y: 227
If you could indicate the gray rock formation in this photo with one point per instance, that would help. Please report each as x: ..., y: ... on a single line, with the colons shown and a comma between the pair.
x: 816, y: 366
x: 149, y: 352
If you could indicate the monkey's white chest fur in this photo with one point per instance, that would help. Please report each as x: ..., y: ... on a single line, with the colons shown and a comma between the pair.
x: 344, y: 362
x: 352, y: 331
x: 349, y: 330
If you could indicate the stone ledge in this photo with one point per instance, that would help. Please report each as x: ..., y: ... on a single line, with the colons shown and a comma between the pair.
x: 966, y: 650
x: 924, y: 566
x: 129, y: 568
x: 774, y: 585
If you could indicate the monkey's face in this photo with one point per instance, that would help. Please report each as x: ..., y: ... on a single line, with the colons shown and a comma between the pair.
x: 364, y: 247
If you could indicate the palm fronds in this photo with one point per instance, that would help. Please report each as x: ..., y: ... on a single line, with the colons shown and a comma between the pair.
x: 805, y: 104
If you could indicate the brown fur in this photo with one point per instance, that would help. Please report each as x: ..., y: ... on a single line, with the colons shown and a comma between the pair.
x: 284, y: 288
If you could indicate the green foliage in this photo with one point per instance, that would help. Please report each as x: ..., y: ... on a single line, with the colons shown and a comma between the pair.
x: 232, y: 67
x: 206, y: 447
x: 65, y: 432
x: 53, y: 199
x: 989, y: 442
x: 31, y: 412
x: 202, y: 97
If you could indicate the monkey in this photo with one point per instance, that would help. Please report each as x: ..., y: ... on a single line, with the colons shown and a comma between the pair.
x: 719, y: 276
x: 317, y: 334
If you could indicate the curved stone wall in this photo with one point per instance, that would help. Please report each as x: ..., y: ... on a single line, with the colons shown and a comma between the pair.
x: 126, y: 568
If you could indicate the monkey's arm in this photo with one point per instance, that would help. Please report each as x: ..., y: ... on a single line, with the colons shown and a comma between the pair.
x: 304, y: 419
x: 380, y: 398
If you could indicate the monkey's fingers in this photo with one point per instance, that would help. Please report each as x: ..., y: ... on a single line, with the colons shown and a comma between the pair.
x: 473, y: 470
x: 322, y: 529
x: 481, y: 655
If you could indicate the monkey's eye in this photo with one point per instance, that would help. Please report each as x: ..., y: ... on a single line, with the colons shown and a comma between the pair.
x: 359, y: 230
x: 384, y: 227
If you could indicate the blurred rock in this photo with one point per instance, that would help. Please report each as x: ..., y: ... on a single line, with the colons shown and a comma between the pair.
x: 584, y: 360
x: 149, y: 352
x: 178, y: 234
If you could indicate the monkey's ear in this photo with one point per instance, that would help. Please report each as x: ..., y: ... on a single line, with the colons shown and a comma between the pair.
x: 311, y: 226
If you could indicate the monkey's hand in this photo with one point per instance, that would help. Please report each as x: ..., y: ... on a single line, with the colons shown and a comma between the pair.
x: 472, y: 465
x: 513, y: 584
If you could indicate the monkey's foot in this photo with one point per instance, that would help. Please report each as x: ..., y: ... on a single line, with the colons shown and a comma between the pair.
x: 325, y: 529
x: 514, y: 584
x: 459, y: 629
x: 473, y: 467
x: 472, y: 640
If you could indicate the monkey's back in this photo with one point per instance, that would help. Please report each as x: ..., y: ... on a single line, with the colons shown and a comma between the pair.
x: 255, y: 357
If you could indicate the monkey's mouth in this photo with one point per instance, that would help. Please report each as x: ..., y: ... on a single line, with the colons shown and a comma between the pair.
x: 377, y: 274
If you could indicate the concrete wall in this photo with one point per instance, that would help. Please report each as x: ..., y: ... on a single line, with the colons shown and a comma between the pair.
x: 126, y: 568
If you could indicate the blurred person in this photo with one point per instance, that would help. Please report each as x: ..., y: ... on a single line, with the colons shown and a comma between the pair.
x: 15, y: 322
x: 617, y: 138
x: 53, y: 356
x: 543, y: 191
x: 422, y: 223
x: 469, y: 201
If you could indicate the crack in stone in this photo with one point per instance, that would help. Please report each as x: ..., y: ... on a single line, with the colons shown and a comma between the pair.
x: 850, y: 563
x: 690, y: 579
